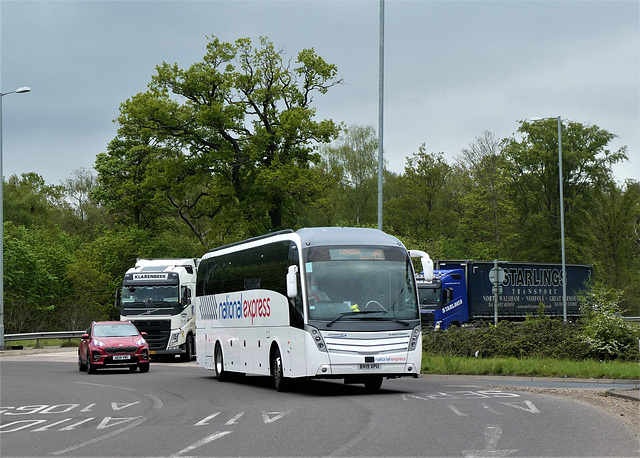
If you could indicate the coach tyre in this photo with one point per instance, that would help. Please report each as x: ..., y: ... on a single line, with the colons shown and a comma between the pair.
x: 221, y: 374
x: 276, y: 370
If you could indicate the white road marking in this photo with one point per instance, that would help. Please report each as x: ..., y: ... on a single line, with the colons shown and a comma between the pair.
x: 122, y: 405
x: 278, y: 415
x: 202, y: 442
x: 106, y: 386
x: 492, y: 434
x: 138, y: 421
x: 530, y: 407
x: 490, y: 409
x: 73, y: 426
x: 45, y: 428
x: 205, y: 421
x: 157, y: 402
x: 234, y: 420
x: 456, y: 411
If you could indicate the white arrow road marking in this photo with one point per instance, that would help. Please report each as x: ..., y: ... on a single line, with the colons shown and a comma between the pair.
x: 202, y: 442
x: 278, y: 415
x: 122, y: 405
x: 205, y: 420
x: 234, y: 420
x: 492, y: 434
x: 530, y: 407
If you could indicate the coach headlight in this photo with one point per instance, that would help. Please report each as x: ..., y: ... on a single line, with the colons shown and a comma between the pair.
x: 317, y: 337
x: 415, y: 337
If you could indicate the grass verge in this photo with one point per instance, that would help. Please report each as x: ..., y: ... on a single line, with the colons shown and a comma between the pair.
x: 530, y: 367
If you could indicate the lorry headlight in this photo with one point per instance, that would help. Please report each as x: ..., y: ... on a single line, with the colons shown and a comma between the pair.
x: 174, y: 338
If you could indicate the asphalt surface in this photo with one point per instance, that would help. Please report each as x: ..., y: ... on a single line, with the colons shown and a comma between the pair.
x: 621, y: 388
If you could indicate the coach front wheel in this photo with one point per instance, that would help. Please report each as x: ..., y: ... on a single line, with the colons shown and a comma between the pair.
x: 277, y: 372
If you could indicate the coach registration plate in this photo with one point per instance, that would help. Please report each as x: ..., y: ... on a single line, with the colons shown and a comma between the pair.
x: 369, y: 366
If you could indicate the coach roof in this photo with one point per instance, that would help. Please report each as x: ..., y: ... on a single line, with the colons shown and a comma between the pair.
x: 319, y: 236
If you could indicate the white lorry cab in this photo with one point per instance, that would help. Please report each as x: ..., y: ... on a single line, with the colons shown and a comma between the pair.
x: 156, y: 296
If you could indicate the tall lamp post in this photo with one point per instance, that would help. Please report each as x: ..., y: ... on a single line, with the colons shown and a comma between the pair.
x: 380, y: 116
x: 20, y: 90
x: 560, y: 180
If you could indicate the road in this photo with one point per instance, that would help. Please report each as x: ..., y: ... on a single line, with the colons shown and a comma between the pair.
x: 49, y: 408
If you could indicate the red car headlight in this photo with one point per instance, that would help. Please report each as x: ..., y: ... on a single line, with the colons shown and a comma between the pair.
x: 98, y: 343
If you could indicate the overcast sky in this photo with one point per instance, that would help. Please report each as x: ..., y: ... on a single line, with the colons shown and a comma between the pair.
x: 453, y: 69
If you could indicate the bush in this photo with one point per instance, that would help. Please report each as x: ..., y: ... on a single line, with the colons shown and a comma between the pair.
x: 604, y: 330
x: 595, y: 337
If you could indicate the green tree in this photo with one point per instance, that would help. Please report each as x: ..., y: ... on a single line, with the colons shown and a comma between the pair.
x: 29, y: 201
x: 486, y: 212
x: 35, y: 261
x: 354, y: 158
x: 534, y: 172
x: 614, y: 221
x: 421, y: 211
x: 231, y: 137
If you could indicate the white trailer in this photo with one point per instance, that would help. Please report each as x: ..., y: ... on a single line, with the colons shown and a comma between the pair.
x: 156, y: 296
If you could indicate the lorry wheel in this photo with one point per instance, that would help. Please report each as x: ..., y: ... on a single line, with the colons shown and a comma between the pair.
x: 221, y: 374
x: 188, y: 353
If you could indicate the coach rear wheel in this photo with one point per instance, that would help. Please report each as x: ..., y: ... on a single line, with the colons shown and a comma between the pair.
x: 221, y: 374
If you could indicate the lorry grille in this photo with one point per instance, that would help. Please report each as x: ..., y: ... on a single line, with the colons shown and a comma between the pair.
x: 158, y: 333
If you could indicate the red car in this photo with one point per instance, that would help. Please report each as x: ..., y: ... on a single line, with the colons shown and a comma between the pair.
x: 113, y: 344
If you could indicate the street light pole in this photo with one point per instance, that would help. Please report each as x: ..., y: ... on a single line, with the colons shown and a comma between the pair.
x: 564, y: 265
x: 20, y: 90
x: 381, y: 116
x: 561, y: 190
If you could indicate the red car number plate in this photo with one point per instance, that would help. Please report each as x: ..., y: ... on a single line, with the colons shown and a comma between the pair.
x: 118, y: 357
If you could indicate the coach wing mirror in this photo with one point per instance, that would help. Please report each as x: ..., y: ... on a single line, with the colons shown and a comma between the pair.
x: 427, y: 263
x: 292, y: 282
